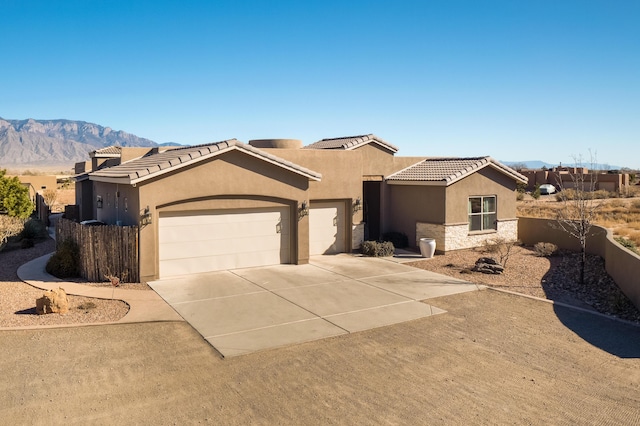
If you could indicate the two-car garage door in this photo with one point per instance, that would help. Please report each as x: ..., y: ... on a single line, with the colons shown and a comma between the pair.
x: 204, y: 241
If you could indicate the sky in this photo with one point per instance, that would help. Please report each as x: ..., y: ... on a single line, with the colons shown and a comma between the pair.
x: 549, y: 80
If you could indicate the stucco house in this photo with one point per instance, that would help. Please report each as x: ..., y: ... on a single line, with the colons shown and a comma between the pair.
x: 227, y: 204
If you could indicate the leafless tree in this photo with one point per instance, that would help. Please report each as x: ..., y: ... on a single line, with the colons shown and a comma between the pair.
x: 9, y: 226
x: 50, y: 196
x: 578, y: 211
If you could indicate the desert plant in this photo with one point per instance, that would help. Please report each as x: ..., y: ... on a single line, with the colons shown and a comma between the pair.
x: 536, y: 192
x: 520, y: 196
x: 9, y: 226
x: 33, y: 229
x: 628, y: 244
x: 26, y: 243
x: 50, y: 196
x: 545, y: 249
x: 377, y: 249
x: 64, y: 262
x: 398, y: 239
x: 500, y: 246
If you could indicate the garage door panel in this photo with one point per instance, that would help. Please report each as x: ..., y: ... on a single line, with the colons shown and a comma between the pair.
x: 183, y: 250
x: 221, y: 231
x: 327, y: 228
x: 219, y: 240
x: 202, y: 264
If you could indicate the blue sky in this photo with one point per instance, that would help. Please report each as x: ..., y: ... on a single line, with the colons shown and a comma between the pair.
x: 517, y: 80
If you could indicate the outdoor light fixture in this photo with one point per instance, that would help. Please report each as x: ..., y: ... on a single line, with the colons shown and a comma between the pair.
x: 145, y: 217
x: 303, y: 210
x: 357, y: 205
x: 99, y: 201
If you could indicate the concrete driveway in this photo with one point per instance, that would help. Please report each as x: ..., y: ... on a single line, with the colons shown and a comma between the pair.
x: 246, y: 310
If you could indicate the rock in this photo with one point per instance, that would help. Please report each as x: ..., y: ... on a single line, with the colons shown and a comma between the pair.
x: 53, y: 301
x: 488, y: 265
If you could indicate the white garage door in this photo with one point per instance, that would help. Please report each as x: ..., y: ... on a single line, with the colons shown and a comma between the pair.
x: 327, y: 228
x: 192, y: 242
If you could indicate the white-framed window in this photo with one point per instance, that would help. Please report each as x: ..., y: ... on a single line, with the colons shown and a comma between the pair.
x: 482, y: 213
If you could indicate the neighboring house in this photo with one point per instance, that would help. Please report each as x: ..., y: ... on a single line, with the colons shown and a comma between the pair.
x: 565, y: 178
x: 229, y: 205
x: 37, y: 184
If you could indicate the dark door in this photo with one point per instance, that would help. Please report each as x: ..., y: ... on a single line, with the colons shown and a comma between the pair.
x: 371, y: 194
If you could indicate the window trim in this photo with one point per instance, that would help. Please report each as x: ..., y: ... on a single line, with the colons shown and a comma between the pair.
x: 482, y: 214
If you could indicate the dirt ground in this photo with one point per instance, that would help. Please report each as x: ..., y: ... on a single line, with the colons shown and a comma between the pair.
x: 493, y: 358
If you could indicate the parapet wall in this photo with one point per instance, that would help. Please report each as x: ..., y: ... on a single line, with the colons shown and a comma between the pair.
x: 621, y: 264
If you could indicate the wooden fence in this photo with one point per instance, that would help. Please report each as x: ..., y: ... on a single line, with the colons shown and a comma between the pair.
x: 104, y: 250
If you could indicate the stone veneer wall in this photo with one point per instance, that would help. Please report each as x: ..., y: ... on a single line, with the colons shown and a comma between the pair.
x: 457, y: 236
x: 357, y: 235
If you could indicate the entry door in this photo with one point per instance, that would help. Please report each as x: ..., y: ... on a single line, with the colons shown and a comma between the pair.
x: 327, y: 227
x: 193, y: 242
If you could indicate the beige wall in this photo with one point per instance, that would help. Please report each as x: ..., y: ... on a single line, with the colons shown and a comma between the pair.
x: 231, y: 180
x: 621, y: 264
x: 410, y: 204
x: 487, y: 181
x: 37, y: 184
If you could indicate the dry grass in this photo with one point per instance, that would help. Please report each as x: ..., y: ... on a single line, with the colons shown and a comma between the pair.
x: 622, y: 215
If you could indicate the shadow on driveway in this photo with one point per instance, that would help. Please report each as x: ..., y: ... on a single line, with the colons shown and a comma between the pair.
x: 615, y: 337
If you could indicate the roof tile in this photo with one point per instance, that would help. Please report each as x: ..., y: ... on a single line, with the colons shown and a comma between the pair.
x: 351, y: 142
x: 449, y: 170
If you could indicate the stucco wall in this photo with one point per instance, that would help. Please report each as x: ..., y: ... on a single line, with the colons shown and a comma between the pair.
x: 409, y: 204
x: 487, y: 181
x: 621, y: 264
x: 119, y: 203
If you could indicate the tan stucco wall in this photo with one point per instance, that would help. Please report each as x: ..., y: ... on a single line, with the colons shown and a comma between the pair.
x: 409, y: 204
x: 487, y: 181
x: 621, y: 264
x: 37, y: 184
x: 232, y: 180
x: 119, y: 203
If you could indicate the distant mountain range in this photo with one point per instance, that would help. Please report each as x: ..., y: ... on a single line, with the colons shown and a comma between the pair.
x: 537, y: 164
x: 57, y: 143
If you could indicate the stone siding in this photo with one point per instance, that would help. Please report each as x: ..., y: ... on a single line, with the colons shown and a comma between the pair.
x: 457, y: 237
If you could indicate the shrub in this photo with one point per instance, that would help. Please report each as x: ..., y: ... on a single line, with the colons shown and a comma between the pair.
x: 536, y: 192
x: 64, y: 262
x: 500, y: 246
x: 33, y: 229
x: 628, y: 244
x: 26, y: 243
x: 377, y: 249
x: 398, y: 239
x: 545, y: 249
x: 520, y: 196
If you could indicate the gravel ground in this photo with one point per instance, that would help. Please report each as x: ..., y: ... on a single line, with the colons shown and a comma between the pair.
x: 18, y: 299
x: 553, y: 278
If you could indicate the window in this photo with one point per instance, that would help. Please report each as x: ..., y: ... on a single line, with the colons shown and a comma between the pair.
x: 482, y: 213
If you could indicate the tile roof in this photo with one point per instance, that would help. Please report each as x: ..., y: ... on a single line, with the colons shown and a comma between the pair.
x: 445, y: 171
x: 156, y: 164
x: 351, y: 142
x: 108, y: 151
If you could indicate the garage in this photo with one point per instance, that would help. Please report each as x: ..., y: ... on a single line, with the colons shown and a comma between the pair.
x: 205, y: 241
x: 327, y: 230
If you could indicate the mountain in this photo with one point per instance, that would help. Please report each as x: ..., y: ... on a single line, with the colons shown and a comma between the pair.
x: 57, y: 143
x: 530, y: 164
x: 537, y: 164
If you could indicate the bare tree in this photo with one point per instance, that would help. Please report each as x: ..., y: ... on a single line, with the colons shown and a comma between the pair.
x: 9, y: 226
x: 50, y: 196
x: 578, y: 211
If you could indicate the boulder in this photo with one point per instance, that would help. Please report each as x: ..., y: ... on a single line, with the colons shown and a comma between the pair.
x: 488, y: 265
x: 53, y: 301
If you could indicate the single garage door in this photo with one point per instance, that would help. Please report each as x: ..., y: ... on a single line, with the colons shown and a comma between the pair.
x: 193, y: 242
x: 327, y: 227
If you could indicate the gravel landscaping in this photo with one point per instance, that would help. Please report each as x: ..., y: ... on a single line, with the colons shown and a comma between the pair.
x: 18, y: 299
x: 554, y: 278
